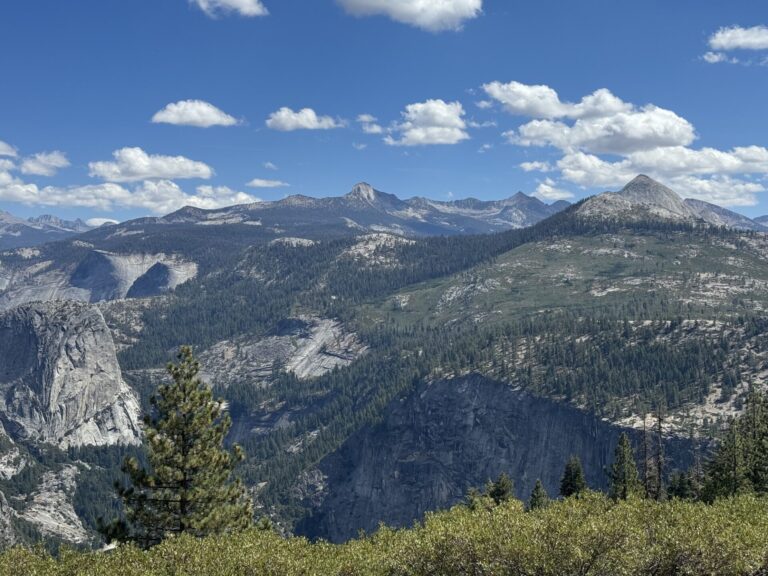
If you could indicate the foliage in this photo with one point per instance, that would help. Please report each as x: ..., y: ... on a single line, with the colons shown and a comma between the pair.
x: 188, y: 487
x: 740, y: 464
x: 590, y: 536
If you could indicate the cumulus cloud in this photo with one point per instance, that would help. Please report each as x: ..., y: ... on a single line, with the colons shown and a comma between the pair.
x: 717, y: 57
x: 432, y: 15
x: 641, y: 129
x: 215, y: 8
x: 270, y: 166
x: 156, y: 196
x: 548, y: 190
x: 692, y: 178
x: 539, y: 101
x: 287, y: 120
x: 134, y: 164
x: 193, y: 113
x: 262, y: 183
x: 44, y: 163
x: 370, y: 124
x: 738, y: 38
x: 599, y: 122
x: 7, y: 150
x: 536, y: 166
x: 430, y: 122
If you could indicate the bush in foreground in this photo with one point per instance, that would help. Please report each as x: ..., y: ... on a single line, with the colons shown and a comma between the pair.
x: 589, y: 535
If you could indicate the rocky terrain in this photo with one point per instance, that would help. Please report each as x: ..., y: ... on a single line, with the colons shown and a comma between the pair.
x: 306, y: 347
x: 643, y: 197
x: 366, y: 209
x: 60, y: 381
x: 378, y: 358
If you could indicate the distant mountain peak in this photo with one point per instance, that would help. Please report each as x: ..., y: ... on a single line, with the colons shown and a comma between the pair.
x: 363, y: 191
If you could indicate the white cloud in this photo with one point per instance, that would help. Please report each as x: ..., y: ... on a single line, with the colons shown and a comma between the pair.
x: 703, y: 183
x: 485, y: 148
x: 432, y: 15
x: 738, y: 38
x: 287, y: 120
x: 536, y: 166
x: 134, y: 164
x: 370, y: 124
x: 7, y: 150
x: 270, y: 166
x: 96, y: 222
x: 210, y: 197
x: 6, y: 165
x: 548, y: 190
x: 193, y: 113
x: 717, y: 57
x: 248, y: 8
x: 261, y: 183
x: 539, y: 101
x: 156, y: 196
x: 647, y: 139
x: 623, y: 132
x: 431, y: 122
x: 359, y: 146
x: 484, y: 104
x: 44, y: 163
x: 591, y: 171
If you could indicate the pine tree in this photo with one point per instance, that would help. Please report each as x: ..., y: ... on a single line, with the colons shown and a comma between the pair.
x: 188, y: 486
x: 727, y: 473
x: 572, y: 482
x: 625, y: 481
x: 539, y: 497
x: 501, y: 490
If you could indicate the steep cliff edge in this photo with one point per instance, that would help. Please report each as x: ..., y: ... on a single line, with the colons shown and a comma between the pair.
x: 443, y: 439
x: 60, y: 381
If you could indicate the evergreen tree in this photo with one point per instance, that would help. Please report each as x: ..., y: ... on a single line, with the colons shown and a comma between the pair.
x: 539, y: 497
x: 727, y: 473
x: 188, y: 486
x: 625, y: 481
x: 573, y: 481
x: 501, y: 490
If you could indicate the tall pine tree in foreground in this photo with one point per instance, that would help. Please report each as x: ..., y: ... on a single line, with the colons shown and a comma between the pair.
x: 625, y: 481
x: 188, y: 487
x: 573, y: 481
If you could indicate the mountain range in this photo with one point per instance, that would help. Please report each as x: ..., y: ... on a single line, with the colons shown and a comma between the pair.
x: 378, y: 357
x: 18, y: 233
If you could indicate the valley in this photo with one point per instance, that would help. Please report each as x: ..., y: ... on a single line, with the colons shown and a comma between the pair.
x: 380, y: 370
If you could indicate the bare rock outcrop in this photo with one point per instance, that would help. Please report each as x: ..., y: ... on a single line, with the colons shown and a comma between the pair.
x: 60, y: 381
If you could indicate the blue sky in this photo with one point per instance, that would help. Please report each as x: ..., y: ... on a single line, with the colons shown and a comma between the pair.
x: 470, y: 98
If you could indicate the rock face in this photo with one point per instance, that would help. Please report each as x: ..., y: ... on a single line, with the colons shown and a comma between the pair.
x: 447, y: 437
x: 99, y: 276
x: 719, y: 216
x: 60, y: 381
x: 307, y: 347
x: 50, y: 509
x: 7, y: 533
